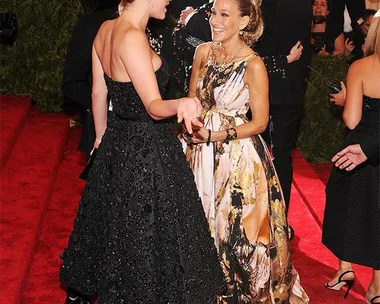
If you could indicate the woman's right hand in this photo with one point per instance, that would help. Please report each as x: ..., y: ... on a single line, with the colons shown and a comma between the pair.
x: 188, y: 111
x: 348, y: 47
x: 295, y: 52
x: 339, y: 98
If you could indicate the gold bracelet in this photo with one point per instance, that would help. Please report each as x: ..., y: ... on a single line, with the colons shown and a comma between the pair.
x: 231, y: 135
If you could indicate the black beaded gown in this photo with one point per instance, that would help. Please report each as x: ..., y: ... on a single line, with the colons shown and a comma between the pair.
x: 140, y: 235
x: 351, y: 226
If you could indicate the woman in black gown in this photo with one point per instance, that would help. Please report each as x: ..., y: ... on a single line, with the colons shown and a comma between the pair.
x: 351, y: 227
x: 140, y: 235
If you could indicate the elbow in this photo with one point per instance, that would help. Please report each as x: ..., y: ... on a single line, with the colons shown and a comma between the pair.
x: 154, y: 117
x: 261, y: 129
x: 349, y: 122
x: 261, y: 126
x: 264, y: 125
x: 351, y: 125
x: 149, y: 111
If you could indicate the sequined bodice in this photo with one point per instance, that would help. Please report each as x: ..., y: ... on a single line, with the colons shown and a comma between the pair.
x: 370, y: 114
x: 125, y: 100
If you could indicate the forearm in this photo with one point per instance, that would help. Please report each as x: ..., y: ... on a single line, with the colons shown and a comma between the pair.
x: 243, y: 131
x: 100, y: 111
x: 161, y: 109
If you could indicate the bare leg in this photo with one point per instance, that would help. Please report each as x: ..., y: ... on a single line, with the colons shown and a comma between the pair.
x: 374, y: 287
x: 343, y: 266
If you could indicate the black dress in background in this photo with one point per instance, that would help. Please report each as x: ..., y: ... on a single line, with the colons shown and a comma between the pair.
x: 140, y: 235
x: 351, y: 226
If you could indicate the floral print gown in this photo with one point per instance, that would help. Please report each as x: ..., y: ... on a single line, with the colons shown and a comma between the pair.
x: 241, y: 196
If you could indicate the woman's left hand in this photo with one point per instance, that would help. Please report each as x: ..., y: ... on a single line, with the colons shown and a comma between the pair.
x: 339, y: 98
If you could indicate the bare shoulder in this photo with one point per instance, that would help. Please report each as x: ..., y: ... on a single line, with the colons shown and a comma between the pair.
x: 357, y: 65
x: 363, y: 64
x: 203, y: 49
x: 104, y: 29
x: 256, y: 64
x: 133, y: 36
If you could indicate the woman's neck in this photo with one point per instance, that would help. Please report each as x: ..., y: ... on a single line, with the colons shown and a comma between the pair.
x: 318, y: 28
x: 136, y: 15
x: 229, y: 48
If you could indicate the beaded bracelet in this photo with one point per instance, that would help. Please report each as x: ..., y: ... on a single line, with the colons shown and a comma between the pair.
x: 231, y: 135
x: 208, y: 138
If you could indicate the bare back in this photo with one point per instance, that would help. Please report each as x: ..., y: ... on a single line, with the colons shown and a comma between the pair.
x: 109, y: 46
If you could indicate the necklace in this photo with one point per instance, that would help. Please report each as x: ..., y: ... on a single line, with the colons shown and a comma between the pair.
x: 219, y: 67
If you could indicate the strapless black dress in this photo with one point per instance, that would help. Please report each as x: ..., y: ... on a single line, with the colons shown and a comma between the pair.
x: 140, y: 235
x: 351, y: 226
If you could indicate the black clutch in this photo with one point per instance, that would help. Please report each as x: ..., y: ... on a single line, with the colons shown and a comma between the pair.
x: 90, y: 162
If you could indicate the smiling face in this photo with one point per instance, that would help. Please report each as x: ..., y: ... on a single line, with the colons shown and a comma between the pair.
x: 320, y: 8
x: 225, y: 20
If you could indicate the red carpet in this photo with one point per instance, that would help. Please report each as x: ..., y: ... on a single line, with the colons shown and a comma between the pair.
x: 14, y: 110
x: 40, y: 194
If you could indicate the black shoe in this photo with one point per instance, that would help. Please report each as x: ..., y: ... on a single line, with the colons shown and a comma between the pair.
x: 78, y: 300
x: 340, y: 283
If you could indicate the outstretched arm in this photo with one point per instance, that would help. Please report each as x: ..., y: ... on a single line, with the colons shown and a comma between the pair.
x: 138, y: 63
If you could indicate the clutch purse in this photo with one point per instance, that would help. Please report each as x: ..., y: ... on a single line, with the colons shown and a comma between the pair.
x: 90, y: 162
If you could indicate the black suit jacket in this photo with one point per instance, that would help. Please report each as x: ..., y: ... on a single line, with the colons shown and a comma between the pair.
x: 371, y: 148
x: 185, y: 42
x: 285, y: 23
x: 77, y: 76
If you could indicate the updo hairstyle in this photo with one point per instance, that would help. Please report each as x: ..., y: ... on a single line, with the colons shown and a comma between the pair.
x: 255, y: 27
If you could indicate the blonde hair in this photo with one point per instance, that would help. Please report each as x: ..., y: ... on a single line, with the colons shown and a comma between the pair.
x: 372, y: 42
x: 124, y: 3
x: 255, y: 27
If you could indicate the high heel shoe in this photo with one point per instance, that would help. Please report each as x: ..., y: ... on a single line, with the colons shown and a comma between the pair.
x: 338, y: 285
x: 372, y: 300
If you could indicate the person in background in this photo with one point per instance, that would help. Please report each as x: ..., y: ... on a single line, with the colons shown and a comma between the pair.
x: 327, y: 37
x: 193, y: 29
x: 358, y: 35
x: 352, y: 214
x: 355, y: 9
x: 287, y: 27
x: 77, y: 77
x: 354, y: 155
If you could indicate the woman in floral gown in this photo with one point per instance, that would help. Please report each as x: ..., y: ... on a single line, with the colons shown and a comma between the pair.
x: 237, y: 182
